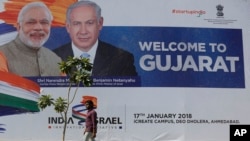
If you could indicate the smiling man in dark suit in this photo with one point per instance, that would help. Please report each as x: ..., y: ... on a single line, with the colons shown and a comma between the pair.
x: 83, y: 23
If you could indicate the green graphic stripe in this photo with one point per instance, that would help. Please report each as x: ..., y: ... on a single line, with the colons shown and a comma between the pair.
x: 16, y: 102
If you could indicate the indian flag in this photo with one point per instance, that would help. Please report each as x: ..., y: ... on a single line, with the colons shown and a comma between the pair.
x: 17, y: 94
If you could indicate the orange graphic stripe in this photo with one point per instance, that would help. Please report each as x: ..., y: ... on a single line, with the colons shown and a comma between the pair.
x: 57, y: 7
x: 3, y: 63
x: 19, y: 81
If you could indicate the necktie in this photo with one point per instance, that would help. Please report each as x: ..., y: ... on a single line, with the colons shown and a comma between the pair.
x: 85, y: 55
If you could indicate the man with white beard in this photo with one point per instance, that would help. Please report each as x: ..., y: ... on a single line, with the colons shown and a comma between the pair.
x: 25, y: 55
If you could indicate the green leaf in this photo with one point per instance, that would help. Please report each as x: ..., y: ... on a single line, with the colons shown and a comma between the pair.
x: 60, y: 105
x: 45, y: 101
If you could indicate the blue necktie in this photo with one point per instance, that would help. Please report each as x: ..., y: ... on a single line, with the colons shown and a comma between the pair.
x: 85, y: 55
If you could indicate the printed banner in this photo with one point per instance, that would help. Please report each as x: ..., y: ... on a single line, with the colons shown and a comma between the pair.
x: 175, y: 57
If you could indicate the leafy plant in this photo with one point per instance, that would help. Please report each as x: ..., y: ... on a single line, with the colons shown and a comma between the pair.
x: 78, y: 70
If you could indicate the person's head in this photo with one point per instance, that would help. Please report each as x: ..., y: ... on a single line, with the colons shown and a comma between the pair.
x: 89, y: 104
x: 33, y: 24
x: 83, y: 23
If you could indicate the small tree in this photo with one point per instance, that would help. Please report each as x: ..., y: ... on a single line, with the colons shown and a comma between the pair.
x: 78, y: 70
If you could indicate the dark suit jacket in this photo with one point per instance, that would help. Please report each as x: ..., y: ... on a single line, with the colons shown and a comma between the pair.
x: 109, y: 60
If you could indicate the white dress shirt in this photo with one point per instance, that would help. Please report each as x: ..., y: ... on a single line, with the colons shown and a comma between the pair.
x: 77, y: 52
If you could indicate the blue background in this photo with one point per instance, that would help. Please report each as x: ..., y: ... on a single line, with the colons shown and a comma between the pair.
x: 128, y: 38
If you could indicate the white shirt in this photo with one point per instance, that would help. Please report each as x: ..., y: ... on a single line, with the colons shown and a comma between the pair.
x: 77, y: 52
